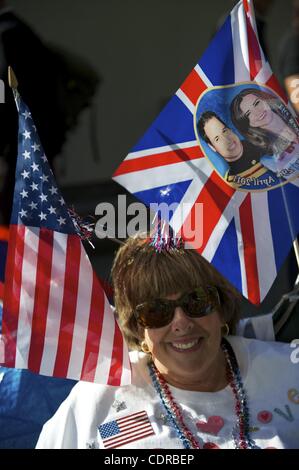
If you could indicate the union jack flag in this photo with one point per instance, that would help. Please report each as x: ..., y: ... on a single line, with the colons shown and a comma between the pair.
x: 246, y: 235
x: 124, y: 430
x: 56, y: 318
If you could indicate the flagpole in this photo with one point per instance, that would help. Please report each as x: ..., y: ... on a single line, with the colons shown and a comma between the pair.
x: 296, y: 249
x: 251, y: 12
x: 13, y: 83
x: 293, y: 233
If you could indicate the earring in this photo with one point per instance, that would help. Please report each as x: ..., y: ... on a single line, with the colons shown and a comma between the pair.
x: 225, y: 330
x: 144, y: 347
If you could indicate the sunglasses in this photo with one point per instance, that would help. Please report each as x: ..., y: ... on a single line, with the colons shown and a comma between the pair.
x: 196, y: 304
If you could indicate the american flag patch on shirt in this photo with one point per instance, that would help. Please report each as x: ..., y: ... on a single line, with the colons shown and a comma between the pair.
x: 124, y: 430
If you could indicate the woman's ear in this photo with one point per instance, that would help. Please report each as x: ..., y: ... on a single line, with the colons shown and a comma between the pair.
x: 140, y: 332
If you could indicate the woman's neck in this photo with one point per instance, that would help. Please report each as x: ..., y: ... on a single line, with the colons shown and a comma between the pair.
x: 212, y: 379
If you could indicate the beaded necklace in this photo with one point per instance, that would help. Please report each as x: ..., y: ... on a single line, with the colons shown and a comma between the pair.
x: 241, y: 434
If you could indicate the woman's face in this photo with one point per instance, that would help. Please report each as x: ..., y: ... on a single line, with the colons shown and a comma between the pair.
x: 256, y: 110
x: 185, y: 349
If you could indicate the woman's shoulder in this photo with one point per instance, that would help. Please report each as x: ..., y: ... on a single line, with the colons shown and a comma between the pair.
x: 90, y: 390
x: 267, y: 363
x: 264, y: 354
x: 258, y: 345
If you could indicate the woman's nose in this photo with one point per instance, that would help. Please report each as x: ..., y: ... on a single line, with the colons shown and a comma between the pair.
x: 181, y: 321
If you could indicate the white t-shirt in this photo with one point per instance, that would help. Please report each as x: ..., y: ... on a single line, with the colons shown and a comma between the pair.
x: 132, y: 417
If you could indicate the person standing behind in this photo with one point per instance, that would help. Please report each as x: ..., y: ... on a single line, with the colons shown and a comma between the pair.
x: 289, y: 59
x: 36, y: 71
x: 56, y: 84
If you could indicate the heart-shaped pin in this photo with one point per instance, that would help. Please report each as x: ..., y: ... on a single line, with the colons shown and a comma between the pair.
x: 212, y: 426
x: 210, y: 445
x: 265, y: 416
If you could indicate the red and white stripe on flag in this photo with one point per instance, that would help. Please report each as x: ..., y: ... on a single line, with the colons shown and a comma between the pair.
x: 57, y: 319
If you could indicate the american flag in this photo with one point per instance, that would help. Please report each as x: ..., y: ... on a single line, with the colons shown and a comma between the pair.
x: 56, y: 318
x: 3, y: 253
x: 246, y: 235
x: 124, y: 430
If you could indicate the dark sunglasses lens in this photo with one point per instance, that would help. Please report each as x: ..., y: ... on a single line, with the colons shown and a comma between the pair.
x: 154, y: 314
x: 199, y: 303
x: 159, y: 313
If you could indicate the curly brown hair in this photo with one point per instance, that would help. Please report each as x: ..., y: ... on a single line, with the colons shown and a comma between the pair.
x: 141, y: 274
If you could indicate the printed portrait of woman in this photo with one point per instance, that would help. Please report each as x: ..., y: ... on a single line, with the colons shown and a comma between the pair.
x: 264, y: 120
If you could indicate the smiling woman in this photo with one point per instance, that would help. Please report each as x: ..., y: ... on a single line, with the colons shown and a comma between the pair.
x: 183, y: 336
x: 193, y: 386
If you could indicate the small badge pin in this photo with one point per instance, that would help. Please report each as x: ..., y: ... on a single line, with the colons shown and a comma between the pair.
x: 91, y: 445
x: 293, y: 396
x: 119, y: 405
x: 162, y: 417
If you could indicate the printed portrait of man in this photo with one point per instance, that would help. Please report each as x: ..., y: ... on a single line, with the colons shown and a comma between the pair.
x: 242, y: 157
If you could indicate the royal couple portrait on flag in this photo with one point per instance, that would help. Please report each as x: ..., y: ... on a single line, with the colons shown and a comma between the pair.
x: 166, y: 368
